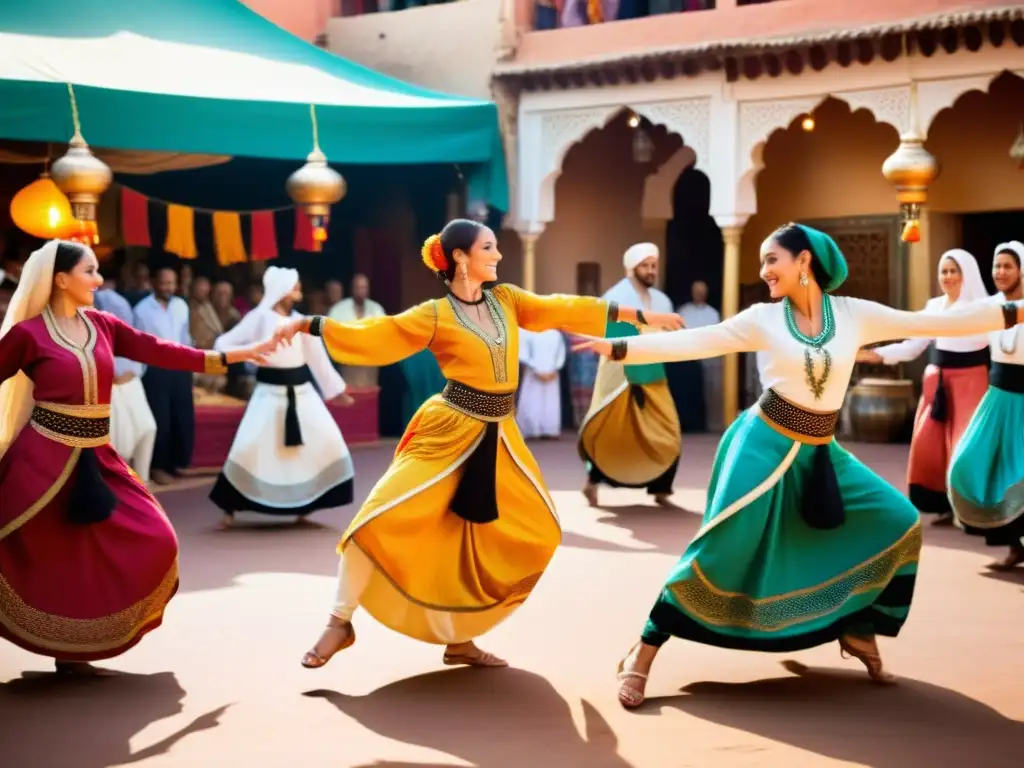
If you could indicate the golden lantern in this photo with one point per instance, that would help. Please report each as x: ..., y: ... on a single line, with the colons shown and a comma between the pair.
x: 83, y: 177
x: 42, y: 210
x: 1017, y: 150
x: 315, y: 187
x: 911, y: 169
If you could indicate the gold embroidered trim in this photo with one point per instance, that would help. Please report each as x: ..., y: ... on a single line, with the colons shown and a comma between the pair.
x: 84, y: 354
x: 45, y: 499
x: 213, y: 364
x: 989, y: 518
x: 69, y: 440
x: 497, y: 347
x: 100, y: 411
x: 706, y: 602
x: 63, y: 634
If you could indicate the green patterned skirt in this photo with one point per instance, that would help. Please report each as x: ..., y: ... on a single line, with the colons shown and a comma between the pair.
x: 758, y: 577
x: 986, y: 473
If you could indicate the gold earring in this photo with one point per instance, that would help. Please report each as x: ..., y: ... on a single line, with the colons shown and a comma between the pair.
x: 804, y: 282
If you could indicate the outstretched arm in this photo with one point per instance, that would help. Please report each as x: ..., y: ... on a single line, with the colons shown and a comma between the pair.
x: 372, y: 342
x: 15, y: 351
x: 576, y: 314
x: 742, y: 333
x: 879, y: 322
x: 144, y: 348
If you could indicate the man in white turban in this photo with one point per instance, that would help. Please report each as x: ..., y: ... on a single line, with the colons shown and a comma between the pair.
x: 631, y: 436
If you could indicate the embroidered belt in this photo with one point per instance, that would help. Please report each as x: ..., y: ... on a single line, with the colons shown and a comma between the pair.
x: 814, y: 428
x: 486, y: 406
x: 77, y: 426
x: 943, y: 358
x: 1008, y: 377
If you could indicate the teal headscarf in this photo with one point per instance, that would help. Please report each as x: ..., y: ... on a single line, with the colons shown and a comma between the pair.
x: 829, y: 257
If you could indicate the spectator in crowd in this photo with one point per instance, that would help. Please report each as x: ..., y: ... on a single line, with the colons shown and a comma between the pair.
x: 358, y: 306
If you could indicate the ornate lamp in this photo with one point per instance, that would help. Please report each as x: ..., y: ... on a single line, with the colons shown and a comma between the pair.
x: 42, y: 210
x: 83, y: 177
x: 315, y: 187
x: 911, y: 169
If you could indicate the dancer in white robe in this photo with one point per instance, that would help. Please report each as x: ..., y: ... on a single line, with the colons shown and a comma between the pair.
x: 288, y: 456
x: 539, y: 412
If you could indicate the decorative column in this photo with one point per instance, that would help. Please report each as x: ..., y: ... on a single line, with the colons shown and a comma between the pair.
x: 529, y: 234
x: 731, y: 235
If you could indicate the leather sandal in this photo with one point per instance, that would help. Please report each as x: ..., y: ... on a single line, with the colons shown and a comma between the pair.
x: 868, y: 657
x: 630, y: 698
x: 480, y: 659
x: 313, y: 660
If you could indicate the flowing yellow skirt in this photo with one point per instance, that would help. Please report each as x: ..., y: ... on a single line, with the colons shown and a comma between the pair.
x: 632, y: 437
x: 436, y: 577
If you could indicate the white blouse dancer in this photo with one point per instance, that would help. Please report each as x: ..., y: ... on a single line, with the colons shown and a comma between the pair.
x: 800, y: 544
x: 952, y: 387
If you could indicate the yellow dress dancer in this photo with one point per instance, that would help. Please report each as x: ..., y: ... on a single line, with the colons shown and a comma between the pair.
x: 457, y: 533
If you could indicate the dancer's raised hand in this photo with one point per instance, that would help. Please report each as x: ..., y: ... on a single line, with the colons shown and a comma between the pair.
x: 668, y: 320
x: 285, y: 333
x: 594, y: 344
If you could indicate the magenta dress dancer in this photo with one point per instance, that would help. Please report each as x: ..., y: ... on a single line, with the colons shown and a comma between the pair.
x: 80, y: 591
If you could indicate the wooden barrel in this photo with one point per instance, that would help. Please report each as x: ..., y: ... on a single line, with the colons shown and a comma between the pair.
x: 881, y: 410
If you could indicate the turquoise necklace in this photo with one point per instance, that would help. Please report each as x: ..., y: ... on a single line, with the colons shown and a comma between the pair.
x: 828, y: 331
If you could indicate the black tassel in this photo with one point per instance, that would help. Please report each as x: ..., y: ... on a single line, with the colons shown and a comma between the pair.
x: 940, y: 403
x: 822, y: 504
x: 476, y: 499
x: 91, y: 499
x: 292, y: 429
x: 638, y: 395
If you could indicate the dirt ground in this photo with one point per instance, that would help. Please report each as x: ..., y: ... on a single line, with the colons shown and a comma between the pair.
x: 220, y: 685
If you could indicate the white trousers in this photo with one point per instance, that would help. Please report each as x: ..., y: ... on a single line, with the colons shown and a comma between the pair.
x: 354, y: 573
x: 132, y: 426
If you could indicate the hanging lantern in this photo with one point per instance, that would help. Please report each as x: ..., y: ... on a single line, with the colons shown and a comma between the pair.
x: 315, y: 187
x: 911, y: 169
x: 83, y: 177
x: 42, y: 210
x: 1017, y: 150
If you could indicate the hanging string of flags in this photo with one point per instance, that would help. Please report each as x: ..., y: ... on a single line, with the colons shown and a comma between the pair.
x: 228, y: 238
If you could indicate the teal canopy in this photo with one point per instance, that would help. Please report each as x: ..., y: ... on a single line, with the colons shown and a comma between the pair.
x: 214, y: 77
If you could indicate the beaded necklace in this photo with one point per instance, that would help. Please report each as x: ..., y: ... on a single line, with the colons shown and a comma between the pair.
x: 828, y: 331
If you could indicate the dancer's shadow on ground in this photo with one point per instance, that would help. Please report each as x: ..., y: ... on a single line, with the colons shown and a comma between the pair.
x: 492, y: 718
x: 841, y: 715
x: 665, y: 531
x: 51, y: 721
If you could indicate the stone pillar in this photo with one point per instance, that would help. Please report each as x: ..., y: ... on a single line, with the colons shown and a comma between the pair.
x: 529, y: 235
x: 730, y: 306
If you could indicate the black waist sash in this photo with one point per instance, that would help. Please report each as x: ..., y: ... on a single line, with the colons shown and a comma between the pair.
x: 290, y: 378
x: 84, y: 427
x: 822, y: 503
x: 1008, y: 377
x: 475, y: 499
x: 944, y: 359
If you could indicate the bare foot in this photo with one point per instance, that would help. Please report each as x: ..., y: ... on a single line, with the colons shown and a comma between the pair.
x: 865, y: 649
x: 1011, y: 561
x: 632, y: 674
x: 160, y: 477
x: 664, y: 500
x: 590, y: 493
x: 82, y: 669
x: 336, y: 637
x: 943, y: 520
x: 226, y: 521
x: 469, y: 655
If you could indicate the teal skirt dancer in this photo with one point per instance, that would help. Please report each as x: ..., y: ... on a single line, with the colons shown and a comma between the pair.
x: 758, y: 577
x: 986, y: 473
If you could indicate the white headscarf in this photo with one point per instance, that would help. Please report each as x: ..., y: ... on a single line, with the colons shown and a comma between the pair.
x: 972, y: 287
x: 29, y: 300
x: 1014, y: 246
x: 278, y: 284
x: 637, y: 254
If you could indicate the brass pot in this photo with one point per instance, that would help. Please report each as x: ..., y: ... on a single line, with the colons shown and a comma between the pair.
x: 880, y: 410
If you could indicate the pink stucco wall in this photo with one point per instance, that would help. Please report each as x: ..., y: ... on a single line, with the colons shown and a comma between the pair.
x: 303, y: 18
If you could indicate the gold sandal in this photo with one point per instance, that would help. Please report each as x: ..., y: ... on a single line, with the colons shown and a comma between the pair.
x: 313, y: 660
x: 483, y: 659
x: 869, y: 658
x: 630, y: 698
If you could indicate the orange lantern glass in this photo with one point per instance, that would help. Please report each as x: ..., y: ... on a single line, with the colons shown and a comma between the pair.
x: 42, y: 210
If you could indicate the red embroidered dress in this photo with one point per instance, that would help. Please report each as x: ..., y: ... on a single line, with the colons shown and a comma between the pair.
x: 67, y: 590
